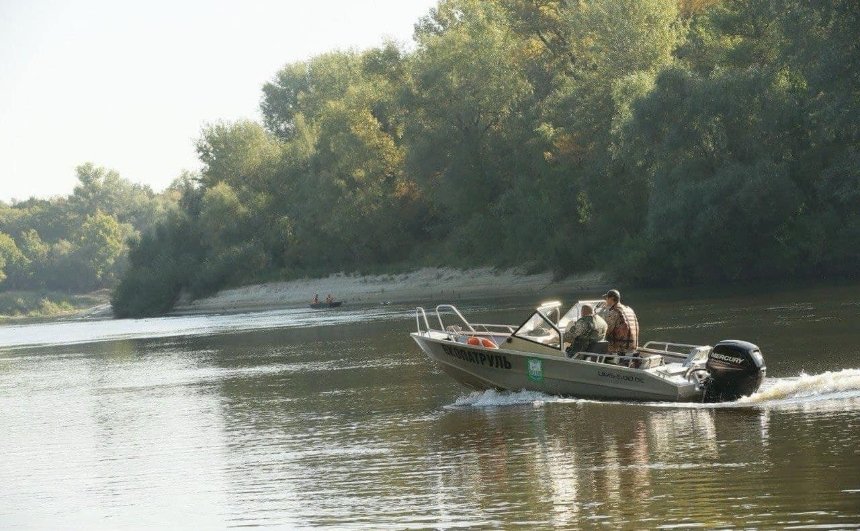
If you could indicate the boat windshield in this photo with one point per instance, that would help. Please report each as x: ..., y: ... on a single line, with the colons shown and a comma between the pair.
x: 537, y: 329
x: 575, y: 312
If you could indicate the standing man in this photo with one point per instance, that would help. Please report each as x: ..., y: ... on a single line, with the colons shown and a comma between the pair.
x: 585, y: 331
x: 622, y: 328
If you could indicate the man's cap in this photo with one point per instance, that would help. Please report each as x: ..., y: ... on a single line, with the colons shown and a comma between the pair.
x: 613, y: 293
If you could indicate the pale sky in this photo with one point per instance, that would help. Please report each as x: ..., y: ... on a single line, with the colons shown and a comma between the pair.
x: 128, y: 85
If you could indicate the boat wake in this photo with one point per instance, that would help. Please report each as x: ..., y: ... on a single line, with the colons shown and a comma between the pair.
x: 804, y: 389
x: 807, y: 387
x: 493, y: 398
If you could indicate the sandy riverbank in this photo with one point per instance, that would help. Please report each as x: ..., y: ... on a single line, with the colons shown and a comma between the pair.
x: 425, y: 286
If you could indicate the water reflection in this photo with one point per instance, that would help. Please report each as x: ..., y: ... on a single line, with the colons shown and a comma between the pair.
x: 349, y: 425
x: 97, y: 435
x: 580, y: 463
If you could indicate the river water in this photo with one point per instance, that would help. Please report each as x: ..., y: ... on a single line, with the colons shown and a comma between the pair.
x: 301, y: 418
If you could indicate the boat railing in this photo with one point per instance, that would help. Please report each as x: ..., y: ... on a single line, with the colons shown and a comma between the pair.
x: 474, y: 328
x: 602, y: 358
x: 419, y: 314
x: 456, y: 312
x: 680, y: 351
x: 494, y: 328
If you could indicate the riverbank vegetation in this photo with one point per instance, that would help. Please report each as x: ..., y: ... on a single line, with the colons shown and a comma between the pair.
x: 53, y: 250
x: 37, y: 304
x: 662, y: 141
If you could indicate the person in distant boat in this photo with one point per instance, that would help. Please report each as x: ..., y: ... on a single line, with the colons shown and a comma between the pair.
x: 316, y: 298
x: 585, y: 331
x: 622, y: 328
x: 329, y: 299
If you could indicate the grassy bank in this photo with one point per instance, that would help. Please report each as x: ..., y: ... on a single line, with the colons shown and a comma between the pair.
x: 34, y: 304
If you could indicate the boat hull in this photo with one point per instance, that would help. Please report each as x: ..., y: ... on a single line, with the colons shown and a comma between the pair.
x: 482, y: 368
x: 318, y: 305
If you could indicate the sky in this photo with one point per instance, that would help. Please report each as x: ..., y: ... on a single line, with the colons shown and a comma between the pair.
x: 129, y: 85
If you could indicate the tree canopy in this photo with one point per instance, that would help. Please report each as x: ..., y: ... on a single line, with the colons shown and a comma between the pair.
x: 79, y: 242
x: 663, y: 141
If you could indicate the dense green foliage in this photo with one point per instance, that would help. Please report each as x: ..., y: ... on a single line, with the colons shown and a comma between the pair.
x: 76, y: 243
x: 662, y: 141
x: 751, y: 146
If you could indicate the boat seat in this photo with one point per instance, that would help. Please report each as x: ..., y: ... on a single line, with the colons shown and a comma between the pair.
x: 599, y: 347
x: 595, y: 347
x: 647, y: 362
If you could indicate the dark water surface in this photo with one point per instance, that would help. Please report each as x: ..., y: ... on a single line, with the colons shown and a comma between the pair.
x: 299, y: 418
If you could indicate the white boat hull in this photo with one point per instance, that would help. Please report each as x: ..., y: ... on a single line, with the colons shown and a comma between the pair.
x: 483, y: 368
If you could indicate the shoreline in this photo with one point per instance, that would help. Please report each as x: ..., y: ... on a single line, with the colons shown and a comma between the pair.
x: 25, y: 306
x: 420, y: 286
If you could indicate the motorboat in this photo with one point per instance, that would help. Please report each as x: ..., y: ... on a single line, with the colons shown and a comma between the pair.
x: 326, y: 304
x: 532, y: 356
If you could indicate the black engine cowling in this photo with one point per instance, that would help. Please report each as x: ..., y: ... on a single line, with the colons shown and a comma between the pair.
x: 735, y: 369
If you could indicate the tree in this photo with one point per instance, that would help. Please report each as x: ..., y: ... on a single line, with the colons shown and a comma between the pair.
x: 102, y: 189
x: 162, y: 262
x: 39, y: 266
x: 11, y: 257
x: 360, y: 168
x: 302, y: 89
x: 340, y: 193
x: 242, y: 154
x: 737, y: 157
x: 100, y: 248
x: 470, y: 93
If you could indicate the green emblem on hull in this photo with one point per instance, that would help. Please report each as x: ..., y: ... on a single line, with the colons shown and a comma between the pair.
x: 535, y: 369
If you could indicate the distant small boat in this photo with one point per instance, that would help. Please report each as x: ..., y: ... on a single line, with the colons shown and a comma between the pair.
x: 319, y: 305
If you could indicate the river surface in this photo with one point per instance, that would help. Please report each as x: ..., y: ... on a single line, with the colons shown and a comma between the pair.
x: 301, y: 418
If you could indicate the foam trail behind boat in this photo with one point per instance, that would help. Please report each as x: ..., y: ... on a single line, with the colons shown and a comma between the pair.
x: 493, y: 398
x: 807, y: 386
x: 836, y: 385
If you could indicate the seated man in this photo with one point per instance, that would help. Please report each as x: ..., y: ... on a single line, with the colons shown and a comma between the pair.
x: 586, y: 331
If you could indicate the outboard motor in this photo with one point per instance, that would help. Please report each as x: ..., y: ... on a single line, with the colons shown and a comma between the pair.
x: 735, y: 369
